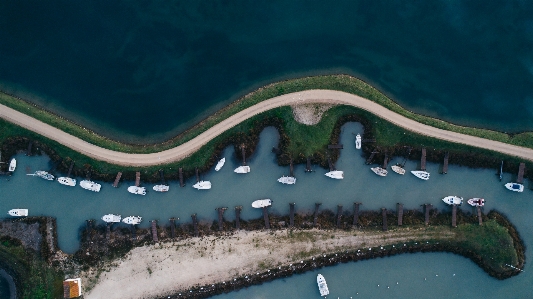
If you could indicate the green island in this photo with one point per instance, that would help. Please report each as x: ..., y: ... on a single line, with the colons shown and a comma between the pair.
x: 493, y: 245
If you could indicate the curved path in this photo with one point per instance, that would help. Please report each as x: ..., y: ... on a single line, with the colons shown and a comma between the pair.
x: 309, y: 96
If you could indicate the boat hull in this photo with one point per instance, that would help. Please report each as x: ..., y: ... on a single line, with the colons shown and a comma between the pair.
x: 90, y: 185
x: 423, y: 175
x: 12, y: 165
x: 379, y: 171
x: 18, y: 212
x: 476, y: 202
x: 133, y: 220
x: 111, y: 218
x: 515, y: 187
x: 453, y: 200
x: 220, y: 164
x: 288, y: 180
x: 242, y: 169
x: 202, y: 185
x: 358, y: 141
x: 398, y: 169
x: 161, y: 188
x: 322, y: 285
x: 261, y: 203
x: 336, y: 174
x: 137, y: 190
x: 67, y: 181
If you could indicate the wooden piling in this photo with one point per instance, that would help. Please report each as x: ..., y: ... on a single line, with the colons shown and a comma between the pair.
x: 172, y: 227
x: 238, y: 217
x: 137, y: 178
x: 423, y: 160
x: 197, y: 175
x: 291, y: 214
x: 243, y: 152
x: 308, y: 165
x: 445, y: 166
x: 315, y: 218
x: 117, y: 179
x: 427, y: 208
x: 195, y: 224
x: 133, y: 232
x: 356, y: 213
x: 479, y: 218
x: 154, y: 231
x: 291, y: 168
x: 162, y: 176
x: 339, y: 215
x: 521, y: 169
x: 70, y: 169
x: 385, y: 161
x: 108, y: 231
x: 384, y: 215
x: 221, y: 218
x: 28, y: 152
x: 399, y: 212
x: 454, y: 216
x: 265, y: 216
x: 180, y: 175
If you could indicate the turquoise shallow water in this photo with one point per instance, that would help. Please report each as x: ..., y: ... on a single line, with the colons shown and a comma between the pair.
x: 360, y: 184
x: 143, y: 71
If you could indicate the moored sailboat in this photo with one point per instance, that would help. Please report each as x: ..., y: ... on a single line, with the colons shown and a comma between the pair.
x: 335, y: 174
x: 42, y: 174
x: 90, y: 185
x: 379, y: 171
x: 398, y: 169
x: 220, y: 164
x: 453, y: 200
x: 67, y: 181
x: 423, y: 175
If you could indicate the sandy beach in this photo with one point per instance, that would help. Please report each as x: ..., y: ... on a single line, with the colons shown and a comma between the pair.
x: 178, y: 153
x: 163, y: 269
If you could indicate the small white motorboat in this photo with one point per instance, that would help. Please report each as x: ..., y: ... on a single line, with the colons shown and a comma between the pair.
x: 398, y: 169
x: 379, y: 171
x: 161, y: 188
x: 90, y: 185
x: 322, y: 285
x: 137, y: 190
x: 42, y: 174
x: 358, y: 141
x: 242, y: 169
x: 515, y: 187
x: 476, y: 202
x: 12, y: 165
x: 453, y: 200
x: 18, y: 212
x: 220, y: 164
x: 423, y: 175
x: 289, y: 180
x: 110, y: 218
x: 132, y: 220
x: 335, y: 174
x: 261, y: 203
x: 202, y: 185
x: 67, y: 181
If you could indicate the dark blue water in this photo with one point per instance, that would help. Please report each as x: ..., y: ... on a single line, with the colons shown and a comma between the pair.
x: 146, y: 70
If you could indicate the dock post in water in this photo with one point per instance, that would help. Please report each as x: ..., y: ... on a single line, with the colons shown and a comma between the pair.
x: 384, y: 215
x: 221, y: 218
x: 291, y: 168
x: 117, y: 179
x: 154, y: 231
x: 385, y: 161
x: 445, y: 166
x: 423, y: 160
x: 28, y: 152
x: 137, y: 178
x: 339, y: 215
x: 197, y: 175
x: 308, y: 165
x: 180, y: 175
x: 315, y: 218
x: 238, y: 217
x: 173, y: 227
x: 399, y: 212
x: 427, y: 208
x: 521, y: 170
x: 195, y: 224
x: 356, y: 213
x: 291, y: 214
x: 243, y: 152
x: 88, y: 229
x: 265, y: 216
x: 479, y: 218
x: 454, y: 216
x: 70, y: 169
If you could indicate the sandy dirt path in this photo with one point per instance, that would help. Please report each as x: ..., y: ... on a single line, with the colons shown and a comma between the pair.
x: 305, y: 97
x: 160, y: 270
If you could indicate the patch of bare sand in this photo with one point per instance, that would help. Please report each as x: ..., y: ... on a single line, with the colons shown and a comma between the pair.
x: 309, y: 114
x: 162, y: 269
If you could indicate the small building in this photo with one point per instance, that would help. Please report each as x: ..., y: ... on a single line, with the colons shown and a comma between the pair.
x: 72, y: 288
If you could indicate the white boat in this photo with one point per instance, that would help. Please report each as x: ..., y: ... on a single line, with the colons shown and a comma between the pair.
x: 137, y: 190
x: 515, y: 187
x: 161, y: 188
x: 43, y: 174
x: 358, y: 141
x: 18, y: 212
x: 398, y: 169
x: 322, y: 285
x: 242, y: 169
x: 335, y: 174
x: 12, y: 164
x: 67, y: 181
x: 261, y: 203
x: 132, y: 220
x: 202, y: 185
x: 90, y: 185
x: 109, y: 218
x: 289, y: 180
x: 424, y: 175
x: 220, y: 164
x: 453, y: 200
x: 476, y: 202
x: 379, y: 171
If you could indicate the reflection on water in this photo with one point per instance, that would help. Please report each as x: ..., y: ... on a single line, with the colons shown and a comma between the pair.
x: 72, y: 206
